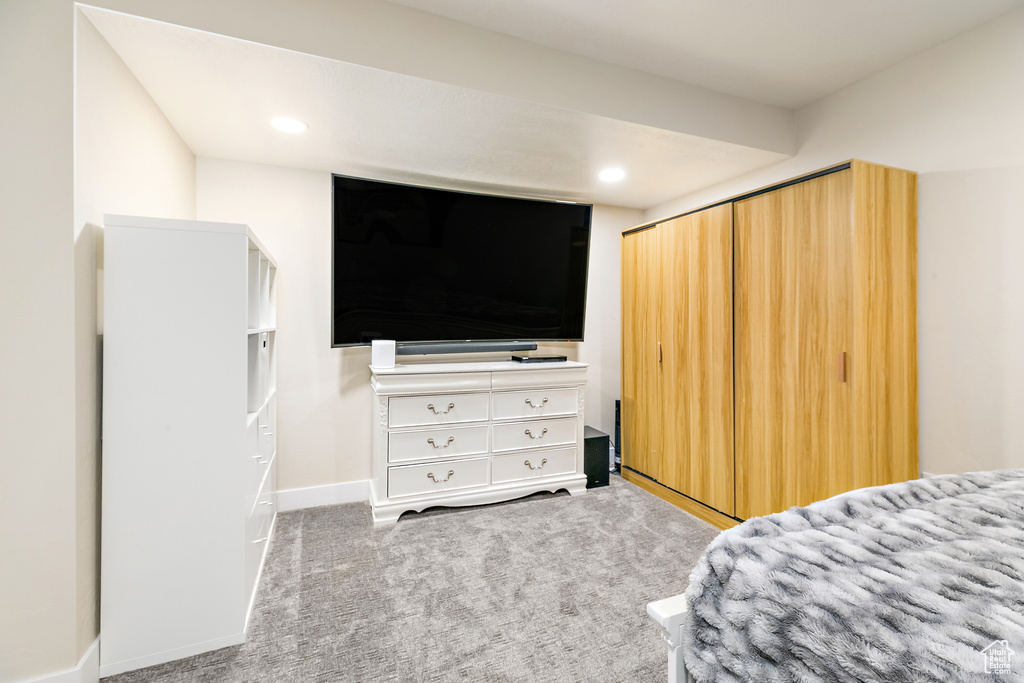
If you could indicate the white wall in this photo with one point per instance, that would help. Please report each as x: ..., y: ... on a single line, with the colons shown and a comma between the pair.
x: 953, y: 114
x: 971, y: 319
x: 69, y: 156
x: 37, y: 353
x: 128, y: 160
x: 324, y: 395
x: 603, y: 334
x: 128, y: 157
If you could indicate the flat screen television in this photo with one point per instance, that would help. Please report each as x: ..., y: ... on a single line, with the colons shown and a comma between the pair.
x: 419, y: 264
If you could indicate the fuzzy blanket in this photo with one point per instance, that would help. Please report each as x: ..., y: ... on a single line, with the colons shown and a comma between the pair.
x: 919, y: 581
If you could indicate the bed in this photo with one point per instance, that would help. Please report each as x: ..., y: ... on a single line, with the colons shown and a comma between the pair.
x: 917, y: 581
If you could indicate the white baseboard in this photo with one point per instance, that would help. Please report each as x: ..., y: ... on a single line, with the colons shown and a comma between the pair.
x: 925, y: 475
x: 112, y: 669
x: 87, y: 671
x: 331, y: 494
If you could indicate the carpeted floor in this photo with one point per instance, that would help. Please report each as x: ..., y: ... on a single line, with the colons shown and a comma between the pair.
x: 546, y: 588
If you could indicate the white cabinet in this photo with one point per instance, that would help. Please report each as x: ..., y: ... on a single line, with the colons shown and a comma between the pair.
x: 472, y: 433
x: 189, y: 443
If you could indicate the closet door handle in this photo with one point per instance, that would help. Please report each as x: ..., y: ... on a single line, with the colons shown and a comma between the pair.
x: 659, y: 352
x: 841, y: 365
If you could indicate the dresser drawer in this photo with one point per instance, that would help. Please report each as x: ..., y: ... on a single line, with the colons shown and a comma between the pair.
x: 444, y: 442
x: 511, y: 405
x: 413, y: 411
x: 410, y: 480
x: 534, y: 434
x: 544, y: 463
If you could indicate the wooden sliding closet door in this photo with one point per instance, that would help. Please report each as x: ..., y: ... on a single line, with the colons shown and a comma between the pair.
x: 677, y: 355
x: 885, y: 324
x: 793, y: 318
x: 696, y: 338
x: 641, y: 377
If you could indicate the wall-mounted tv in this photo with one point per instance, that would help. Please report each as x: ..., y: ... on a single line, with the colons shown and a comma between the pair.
x: 419, y: 264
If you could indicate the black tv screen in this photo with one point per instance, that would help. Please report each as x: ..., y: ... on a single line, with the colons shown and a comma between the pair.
x: 418, y: 264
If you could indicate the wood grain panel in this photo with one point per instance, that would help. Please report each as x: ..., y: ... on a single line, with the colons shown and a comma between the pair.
x: 702, y: 512
x: 792, y: 316
x: 885, y: 323
x: 641, y: 300
x: 696, y: 336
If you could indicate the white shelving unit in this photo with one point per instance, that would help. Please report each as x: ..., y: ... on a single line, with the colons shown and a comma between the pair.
x: 189, y: 444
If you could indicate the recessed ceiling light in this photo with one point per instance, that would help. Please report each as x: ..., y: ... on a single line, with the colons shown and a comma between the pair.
x: 612, y: 175
x: 286, y: 124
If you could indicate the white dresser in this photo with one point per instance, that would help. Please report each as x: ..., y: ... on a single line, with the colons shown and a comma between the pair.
x: 470, y: 433
x: 189, y: 445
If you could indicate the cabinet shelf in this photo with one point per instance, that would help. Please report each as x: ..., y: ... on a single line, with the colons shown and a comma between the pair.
x: 205, y: 476
x: 252, y: 415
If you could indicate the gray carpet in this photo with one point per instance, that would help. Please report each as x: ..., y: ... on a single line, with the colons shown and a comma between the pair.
x: 546, y: 588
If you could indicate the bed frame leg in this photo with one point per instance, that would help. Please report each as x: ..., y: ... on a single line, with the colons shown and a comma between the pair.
x: 677, y: 672
x: 668, y: 613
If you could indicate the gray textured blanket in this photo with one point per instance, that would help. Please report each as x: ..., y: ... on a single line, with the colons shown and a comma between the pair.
x: 921, y: 581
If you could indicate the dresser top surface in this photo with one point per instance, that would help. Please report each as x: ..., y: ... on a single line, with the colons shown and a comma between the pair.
x: 470, y: 366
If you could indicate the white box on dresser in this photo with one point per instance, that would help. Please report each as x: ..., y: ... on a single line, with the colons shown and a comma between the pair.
x: 189, y: 413
x: 468, y: 433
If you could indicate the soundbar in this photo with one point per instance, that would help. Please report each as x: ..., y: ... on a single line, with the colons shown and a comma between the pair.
x: 412, y: 349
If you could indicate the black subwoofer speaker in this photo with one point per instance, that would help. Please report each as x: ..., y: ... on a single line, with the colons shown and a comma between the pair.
x: 595, y: 457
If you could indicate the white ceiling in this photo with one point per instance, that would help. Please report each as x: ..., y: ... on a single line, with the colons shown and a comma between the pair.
x: 220, y: 92
x: 784, y: 52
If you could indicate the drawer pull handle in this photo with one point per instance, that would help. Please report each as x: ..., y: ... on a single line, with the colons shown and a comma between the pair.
x: 530, y: 403
x: 430, y: 476
x: 431, y: 442
x: 543, y: 432
x: 266, y: 502
x: 261, y: 540
x: 435, y: 411
x: 259, y: 459
x: 538, y: 467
